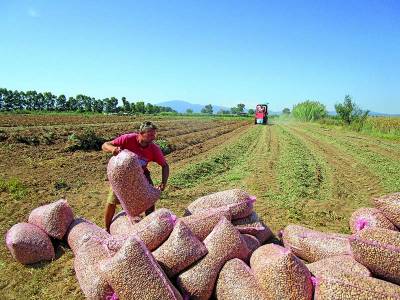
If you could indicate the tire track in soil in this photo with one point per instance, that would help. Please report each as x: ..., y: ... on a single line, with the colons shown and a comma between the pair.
x: 262, y: 180
x: 265, y: 155
x: 353, y: 182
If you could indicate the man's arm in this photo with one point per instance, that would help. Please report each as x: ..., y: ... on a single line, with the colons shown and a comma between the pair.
x: 165, y: 175
x: 109, y: 147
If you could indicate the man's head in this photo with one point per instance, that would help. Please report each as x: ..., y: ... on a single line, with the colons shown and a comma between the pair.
x: 147, y: 133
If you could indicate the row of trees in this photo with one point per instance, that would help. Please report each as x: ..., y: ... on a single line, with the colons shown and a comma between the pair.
x: 34, y: 101
x: 208, y: 109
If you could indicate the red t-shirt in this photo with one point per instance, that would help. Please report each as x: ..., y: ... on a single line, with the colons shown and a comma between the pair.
x: 150, y: 153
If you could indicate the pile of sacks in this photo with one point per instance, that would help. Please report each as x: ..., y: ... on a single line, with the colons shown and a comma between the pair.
x: 364, y: 265
x: 31, y: 242
x: 157, y: 257
x: 216, y: 250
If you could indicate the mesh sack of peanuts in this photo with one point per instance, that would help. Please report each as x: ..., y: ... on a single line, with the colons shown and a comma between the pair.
x: 133, y: 273
x: 86, y: 264
x: 81, y: 230
x: 252, y: 244
x: 130, y: 185
x: 53, y: 218
x: 239, y: 202
x: 254, y: 226
x: 349, y: 286
x: 338, y: 265
x: 155, y: 228
x: 312, y: 245
x: 204, y: 221
x: 389, y: 205
x: 379, y: 250
x: 237, y: 281
x: 281, y: 274
x: 223, y: 243
x: 179, y: 251
x: 121, y: 224
x: 369, y: 217
x: 29, y: 244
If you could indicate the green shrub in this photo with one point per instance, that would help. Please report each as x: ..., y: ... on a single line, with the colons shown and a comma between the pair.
x: 61, y: 184
x: 14, y: 187
x: 309, y: 111
x: 27, y: 139
x: 49, y: 137
x: 350, y: 113
x: 87, y: 140
x: 165, y: 147
x: 3, y: 136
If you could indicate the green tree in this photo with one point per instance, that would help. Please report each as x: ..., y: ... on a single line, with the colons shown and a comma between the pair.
x: 8, y: 101
x: 189, y: 111
x: 133, y: 108
x: 208, y: 109
x: 39, y: 102
x: 18, y: 100
x: 349, y: 111
x: 286, y: 111
x: 140, y: 107
x: 98, y: 105
x: 149, y: 108
x: 240, y: 108
x: 61, y: 103
x: 83, y: 103
x: 111, y: 104
x: 223, y: 112
x: 3, y: 92
x: 49, y: 101
x: 87, y: 103
x: 251, y: 112
x: 72, y: 104
x: 156, y: 109
x: 126, y: 106
x: 30, y: 99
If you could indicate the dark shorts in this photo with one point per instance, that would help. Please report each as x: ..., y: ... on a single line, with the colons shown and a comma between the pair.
x: 112, y: 198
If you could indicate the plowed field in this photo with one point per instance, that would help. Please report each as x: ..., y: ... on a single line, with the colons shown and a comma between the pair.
x: 300, y: 173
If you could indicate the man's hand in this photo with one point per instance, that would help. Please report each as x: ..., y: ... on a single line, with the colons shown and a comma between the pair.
x: 116, y: 150
x: 161, y: 186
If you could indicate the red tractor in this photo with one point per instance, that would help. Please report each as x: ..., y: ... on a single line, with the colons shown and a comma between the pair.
x: 261, y: 115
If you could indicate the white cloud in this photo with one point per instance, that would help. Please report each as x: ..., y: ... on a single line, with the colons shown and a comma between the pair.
x: 33, y: 13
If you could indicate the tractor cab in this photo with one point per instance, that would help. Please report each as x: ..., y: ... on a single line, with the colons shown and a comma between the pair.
x: 261, y: 114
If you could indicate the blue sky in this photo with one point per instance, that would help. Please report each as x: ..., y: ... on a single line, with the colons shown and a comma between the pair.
x: 219, y: 52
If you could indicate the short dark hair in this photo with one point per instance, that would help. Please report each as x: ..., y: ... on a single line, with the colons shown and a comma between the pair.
x: 146, y: 126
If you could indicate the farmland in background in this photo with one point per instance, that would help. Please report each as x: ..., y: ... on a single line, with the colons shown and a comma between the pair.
x: 306, y: 173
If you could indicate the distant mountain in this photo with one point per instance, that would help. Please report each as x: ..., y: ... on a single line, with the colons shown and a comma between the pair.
x: 181, y: 106
x: 377, y: 114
